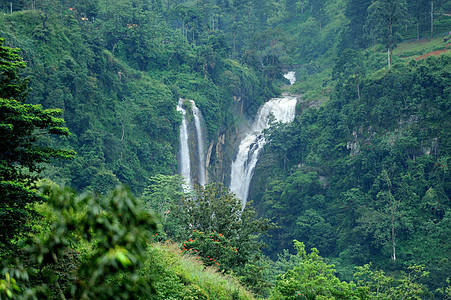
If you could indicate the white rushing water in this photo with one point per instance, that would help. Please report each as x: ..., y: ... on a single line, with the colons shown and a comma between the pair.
x: 189, y: 148
x: 243, y: 167
x: 291, y: 76
x: 200, y: 144
x: 184, y: 160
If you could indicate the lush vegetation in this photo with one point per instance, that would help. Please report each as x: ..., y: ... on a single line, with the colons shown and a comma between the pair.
x: 377, y: 182
x: 88, y: 95
x: 117, y: 78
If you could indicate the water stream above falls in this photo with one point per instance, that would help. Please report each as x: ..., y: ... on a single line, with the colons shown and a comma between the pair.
x: 291, y: 76
x: 243, y: 167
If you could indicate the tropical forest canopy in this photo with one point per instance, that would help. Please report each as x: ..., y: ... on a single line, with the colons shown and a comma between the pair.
x: 349, y: 201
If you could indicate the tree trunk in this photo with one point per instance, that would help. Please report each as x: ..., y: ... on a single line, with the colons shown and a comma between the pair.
x: 234, y: 34
x: 432, y: 19
x: 389, y: 56
x: 393, y: 209
x: 390, y: 43
x: 418, y: 28
x: 358, y: 90
x: 44, y: 20
x: 183, y: 26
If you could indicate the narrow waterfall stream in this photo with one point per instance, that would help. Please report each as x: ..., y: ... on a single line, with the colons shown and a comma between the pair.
x: 184, y: 159
x: 192, y: 145
x: 200, y: 144
x: 243, y: 167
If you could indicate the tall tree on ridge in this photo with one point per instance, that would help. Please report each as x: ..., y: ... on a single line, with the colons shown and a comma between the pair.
x: 384, y: 21
x: 418, y: 11
x: 355, y: 12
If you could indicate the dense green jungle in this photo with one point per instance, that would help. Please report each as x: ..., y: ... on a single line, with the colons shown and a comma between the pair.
x: 350, y: 200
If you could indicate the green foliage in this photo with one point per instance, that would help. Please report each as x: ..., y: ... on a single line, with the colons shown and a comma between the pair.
x: 8, y: 286
x: 385, y: 20
x: 212, y: 208
x: 11, y: 85
x: 213, y: 248
x: 313, y: 279
x: 361, y: 175
x: 177, y: 276
x: 213, y: 225
x: 301, y: 192
x: 354, y: 34
x: 23, y: 128
x: 162, y: 193
x: 118, y: 234
x: 209, y: 208
x: 15, y: 213
x: 379, y: 160
x: 118, y: 77
x: 380, y: 286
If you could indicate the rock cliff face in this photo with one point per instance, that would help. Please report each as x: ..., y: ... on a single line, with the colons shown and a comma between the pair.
x: 222, y: 149
x: 219, y: 157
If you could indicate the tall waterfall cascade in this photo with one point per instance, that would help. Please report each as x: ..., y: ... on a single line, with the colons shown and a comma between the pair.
x: 243, y: 167
x: 200, y: 143
x: 192, y: 146
x: 184, y: 158
x: 277, y: 109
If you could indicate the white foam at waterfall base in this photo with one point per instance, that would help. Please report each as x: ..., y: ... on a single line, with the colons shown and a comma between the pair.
x: 185, y: 162
x: 243, y: 167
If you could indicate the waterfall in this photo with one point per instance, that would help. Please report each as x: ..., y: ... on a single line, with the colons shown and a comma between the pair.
x: 192, y: 145
x: 243, y: 167
x: 200, y: 143
x: 291, y: 76
x: 184, y: 159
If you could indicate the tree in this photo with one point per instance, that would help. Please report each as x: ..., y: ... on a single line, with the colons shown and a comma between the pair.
x: 355, y: 12
x: 161, y: 194
x: 110, y: 236
x: 380, y: 286
x: 22, y: 151
x: 418, y: 10
x: 349, y: 69
x: 316, y: 8
x: 385, y: 20
x: 11, y: 85
x: 291, y: 7
x: 213, y: 210
x: 312, y: 278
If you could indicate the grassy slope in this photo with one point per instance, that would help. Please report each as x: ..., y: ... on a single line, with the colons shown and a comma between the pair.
x: 178, y: 276
x: 317, y: 87
x: 421, y: 49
